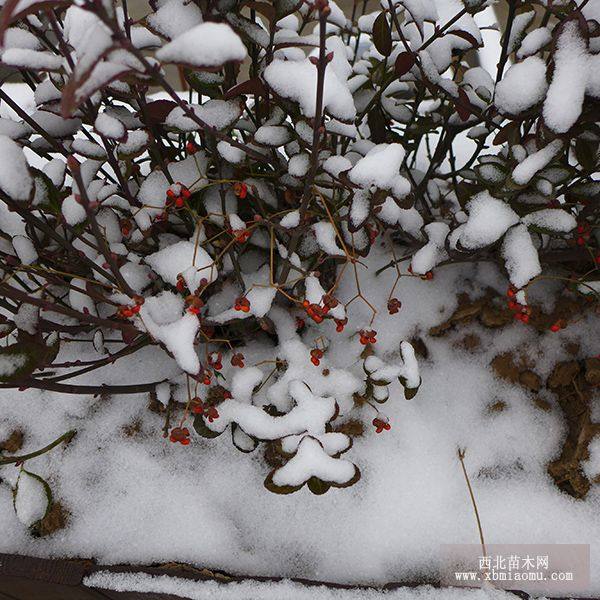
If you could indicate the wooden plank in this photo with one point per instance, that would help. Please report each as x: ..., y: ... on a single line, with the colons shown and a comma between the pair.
x: 67, y: 572
x: 30, y: 589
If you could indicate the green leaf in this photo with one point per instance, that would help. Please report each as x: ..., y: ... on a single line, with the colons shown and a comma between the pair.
x: 34, y: 526
x: 317, y: 486
x: 586, y: 153
x: 285, y: 489
x: 241, y: 440
x: 205, y: 83
x: 46, y: 193
x: 20, y: 360
x: 409, y: 393
x: 382, y: 35
x: 283, y: 8
x: 201, y: 429
x: 404, y: 63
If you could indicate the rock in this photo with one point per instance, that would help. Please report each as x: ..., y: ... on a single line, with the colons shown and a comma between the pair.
x: 13, y: 443
x: 530, y: 380
x: 563, y: 374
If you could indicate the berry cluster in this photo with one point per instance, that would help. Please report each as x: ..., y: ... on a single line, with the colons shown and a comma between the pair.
x: 316, y: 354
x: 237, y: 360
x: 521, y: 312
x: 381, y: 425
x: 194, y: 304
x: 129, y: 311
x: 240, y: 190
x: 394, y: 305
x: 242, y: 304
x: 191, y: 148
x: 177, y: 195
x: 317, y: 313
x: 367, y: 336
x: 340, y: 324
x: 215, y: 360
x: 200, y: 408
x: 181, y: 435
x: 583, y: 233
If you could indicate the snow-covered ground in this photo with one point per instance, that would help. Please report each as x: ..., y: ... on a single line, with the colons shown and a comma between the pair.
x: 133, y: 497
x: 281, y: 590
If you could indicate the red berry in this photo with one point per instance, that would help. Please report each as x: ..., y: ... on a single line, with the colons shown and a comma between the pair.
x: 555, y: 327
x: 340, y: 324
x: 237, y: 360
x: 381, y: 425
x: 240, y: 190
x: 315, y: 361
x: 212, y: 413
x: 196, y: 405
x: 394, y: 305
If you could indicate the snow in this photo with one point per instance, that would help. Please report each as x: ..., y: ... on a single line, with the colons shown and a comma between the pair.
x: 204, y: 45
x: 434, y: 252
x: 534, y: 41
x: 15, y: 179
x: 519, y: 25
x: 526, y: 170
x: 297, y: 80
x: 25, y: 58
x: 489, y: 218
x: 88, y: 148
x: 564, y: 100
x: 326, y: 238
x: 310, y: 414
x: 186, y: 258
x: 135, y: 142
x: 174, y: 18
x: 379, y: 168
x: 520, y: 256
x: 11, y: 363
x: 15, y: 37
x: 334, y: 165
x: 161, y: 317
x: 231, y: 153
x: 31, y: 501
x: 412, y: 495
x: 523, y: 85
x: 25, y: 249
x: 110, y: 126
x: 299, y: 165
x: 272, y: 135
x: 216, y: 113
x: 73, y: 211
x: 274, y: 590
x: 290, y: 220
x: 311, y: 460
x: 551, y: 219
x: 401, y: 510
x: 13, y: 129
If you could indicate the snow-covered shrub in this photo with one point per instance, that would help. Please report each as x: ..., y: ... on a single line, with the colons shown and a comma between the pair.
x: 197, y: 215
